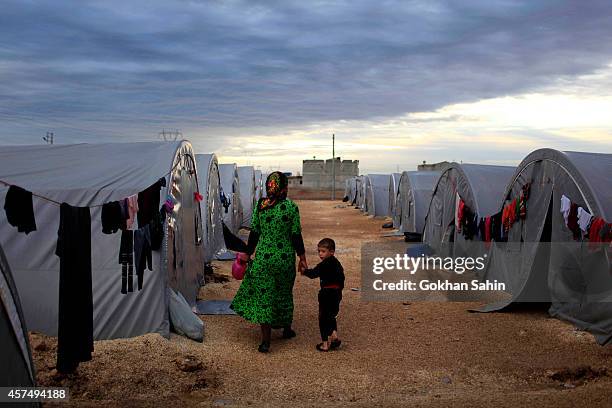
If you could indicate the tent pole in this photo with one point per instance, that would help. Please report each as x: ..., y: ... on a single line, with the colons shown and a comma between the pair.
x: 333, y: 166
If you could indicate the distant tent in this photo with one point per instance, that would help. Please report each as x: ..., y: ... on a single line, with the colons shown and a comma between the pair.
x: 394, y: 179
x: 246, y: 176
x: 16, y: 366
x: 414, y: 195
x: 565, y: 267
x: 480, y: 186
x: 230, y: 184
x: 377, y: 195
x: 91, y: 175
x: 352, y: 197
x: 259, y: 183
x: 360, y: 196
x: 211, y: 209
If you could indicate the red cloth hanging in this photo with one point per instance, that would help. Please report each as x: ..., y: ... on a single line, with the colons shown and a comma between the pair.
x: 197, y: 196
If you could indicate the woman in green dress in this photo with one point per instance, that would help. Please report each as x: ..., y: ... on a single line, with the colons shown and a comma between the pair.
x: 265, y: 296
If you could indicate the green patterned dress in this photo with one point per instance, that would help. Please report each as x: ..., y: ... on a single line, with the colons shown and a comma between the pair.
x: 266, y: 293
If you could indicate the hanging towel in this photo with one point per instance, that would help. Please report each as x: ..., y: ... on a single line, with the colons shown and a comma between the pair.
x: 132, y: 207
x: 75, y: 314
x: 565, y: 207
x: 584, y: 219
x: 19, y: 209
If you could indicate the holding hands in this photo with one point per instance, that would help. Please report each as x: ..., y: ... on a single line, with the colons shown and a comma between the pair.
x: 302, y: 265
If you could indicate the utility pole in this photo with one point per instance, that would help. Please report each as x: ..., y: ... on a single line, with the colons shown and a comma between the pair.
x: 48, y: 138
x: 333, y: 166
x: 171, y: 135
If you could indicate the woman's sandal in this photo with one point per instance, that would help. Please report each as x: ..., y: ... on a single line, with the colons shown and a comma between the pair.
x: 264, y: 347
x: 334, y: 344
x: 320, y: 348
x: 289, y: 334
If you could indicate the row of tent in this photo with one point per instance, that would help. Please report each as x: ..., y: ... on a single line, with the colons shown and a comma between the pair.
x: 91, y: 175
x: 424, y: 204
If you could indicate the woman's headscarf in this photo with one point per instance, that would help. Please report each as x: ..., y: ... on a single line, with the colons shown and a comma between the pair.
x: 276, y: 190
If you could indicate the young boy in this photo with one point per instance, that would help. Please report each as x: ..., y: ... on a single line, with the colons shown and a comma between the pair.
x: 331, y: 273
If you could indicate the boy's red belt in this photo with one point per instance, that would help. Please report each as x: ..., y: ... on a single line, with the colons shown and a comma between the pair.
x: 331, y: 286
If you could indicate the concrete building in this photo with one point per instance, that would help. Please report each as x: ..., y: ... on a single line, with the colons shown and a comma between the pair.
x: 295, y: 181
x: 431, y: 166
x: 317, y: 174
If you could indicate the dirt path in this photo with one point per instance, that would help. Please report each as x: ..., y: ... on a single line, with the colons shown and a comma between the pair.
x: 423, y: 354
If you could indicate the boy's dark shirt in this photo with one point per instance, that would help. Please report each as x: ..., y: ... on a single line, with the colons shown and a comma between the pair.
x: 330, y: 272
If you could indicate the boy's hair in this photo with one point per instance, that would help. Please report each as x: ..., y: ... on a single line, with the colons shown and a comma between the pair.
x: 328, y: 244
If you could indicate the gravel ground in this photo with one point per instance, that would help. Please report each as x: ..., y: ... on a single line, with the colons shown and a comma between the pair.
x: 421, y: 354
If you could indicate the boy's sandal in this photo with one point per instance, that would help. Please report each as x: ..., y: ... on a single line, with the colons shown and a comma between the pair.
x: 289, y: 334
x: 264, y: 347
x: 334, y: 344
x: 320, y: 348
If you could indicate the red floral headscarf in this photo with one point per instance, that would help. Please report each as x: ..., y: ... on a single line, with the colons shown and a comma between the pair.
x: 276, y: 190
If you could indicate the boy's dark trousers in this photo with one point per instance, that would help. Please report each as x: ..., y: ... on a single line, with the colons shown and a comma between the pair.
x: 329, y: 306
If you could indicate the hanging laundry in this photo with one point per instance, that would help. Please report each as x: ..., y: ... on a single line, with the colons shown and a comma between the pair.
x: 572, y: 221
x: 19, y: 209
x: 487, y: 236
x: 594, y: 231
x: 112, y: 219
x: 565, y: 207
x: 143, y: 255
x: 169, y: 204
x: 148, y: 202
x: 198, y: 197
x: 75, y: 314
x: 522, y: 207
x: 126, y: 259
x: 225, y: 201
x: 584, y: 219
x: 132, y: 207
x: 156, y: 229
x: 497, y: 228
x: 460, y: 214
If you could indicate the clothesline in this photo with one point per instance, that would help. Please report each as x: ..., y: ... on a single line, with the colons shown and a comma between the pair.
x: 52, y: 201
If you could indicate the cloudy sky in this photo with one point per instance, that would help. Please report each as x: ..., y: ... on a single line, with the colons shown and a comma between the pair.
x: 268, y: 82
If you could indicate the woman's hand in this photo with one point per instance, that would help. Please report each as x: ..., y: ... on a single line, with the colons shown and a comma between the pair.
x: 302, y: 265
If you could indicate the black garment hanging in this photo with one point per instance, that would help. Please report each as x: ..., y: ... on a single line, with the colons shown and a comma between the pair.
x: 143, y: 255
x: 112, y: 217
x: 75, y: 315
x: 126, y: 259
x: 156, y: 229
x: 148, y: 202
x: 19, y: 209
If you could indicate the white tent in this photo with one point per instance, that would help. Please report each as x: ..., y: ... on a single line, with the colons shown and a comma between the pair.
x: 413, y: 197
x: 230, y: 185
x: 246, y: 176
x: 259, y: 185
x: 91, y: 175
x: 209, y: 184
x: 16, y: 366
x: 377, y: 195
x: 360, y: 197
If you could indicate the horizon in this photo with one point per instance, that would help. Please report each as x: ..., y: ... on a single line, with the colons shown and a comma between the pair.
x: 267, y: 83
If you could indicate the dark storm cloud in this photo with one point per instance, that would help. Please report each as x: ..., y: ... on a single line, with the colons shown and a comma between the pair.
x: 125, y: 69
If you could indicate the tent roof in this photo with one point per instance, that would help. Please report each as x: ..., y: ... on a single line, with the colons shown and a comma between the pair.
x: 487, y: 183
x: 125, y: 167
x: 590, y: 171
